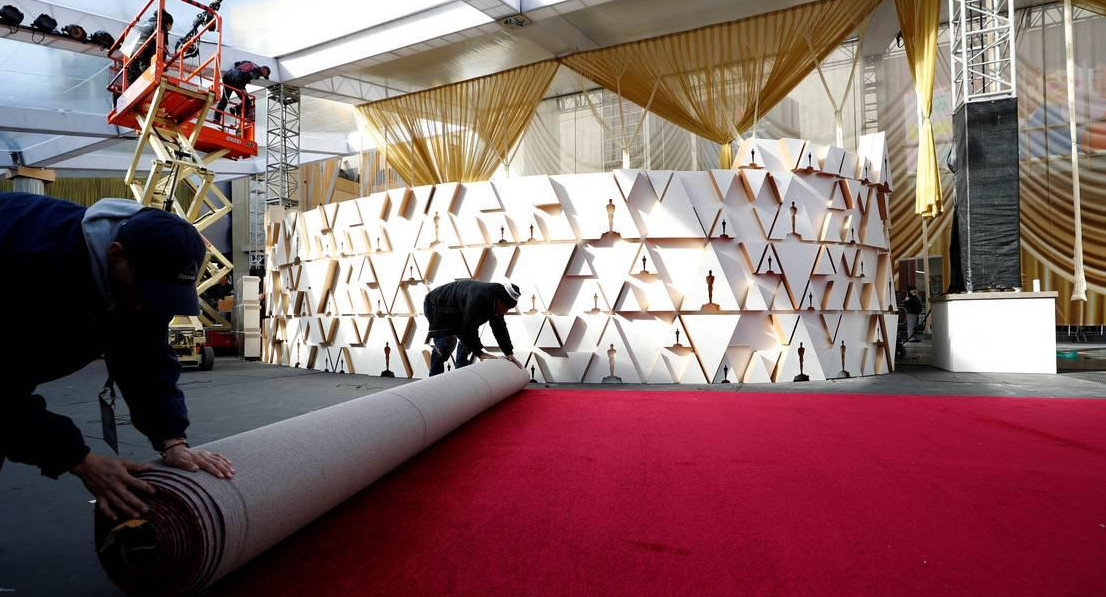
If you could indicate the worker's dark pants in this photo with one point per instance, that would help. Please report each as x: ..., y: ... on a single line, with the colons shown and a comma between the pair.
x: 442, y: 347
x: 245, y: 110
x: 140, y: 62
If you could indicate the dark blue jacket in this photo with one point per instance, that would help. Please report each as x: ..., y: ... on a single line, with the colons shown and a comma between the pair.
x: 460, y: 308
x: 55, y: 322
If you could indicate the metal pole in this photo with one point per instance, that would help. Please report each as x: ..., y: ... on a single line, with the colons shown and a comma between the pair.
x: 1012, y: 51
x: 839, y: 126
x: 925, y: 262
x: 964, y: 48
x: 1079, y: 289
x: 694, y: 150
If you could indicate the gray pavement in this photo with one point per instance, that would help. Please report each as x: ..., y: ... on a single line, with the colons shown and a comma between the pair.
x: 46, y: 525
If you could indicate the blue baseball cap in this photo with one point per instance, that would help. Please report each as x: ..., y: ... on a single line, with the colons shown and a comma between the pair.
x: 165, y: 253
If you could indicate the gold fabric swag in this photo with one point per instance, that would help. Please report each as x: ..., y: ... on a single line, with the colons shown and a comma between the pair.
x: 87, y: 191
x: 460, y: 132
x: 918, y: 20
x: 716, y: 81
x: 1095, y: 6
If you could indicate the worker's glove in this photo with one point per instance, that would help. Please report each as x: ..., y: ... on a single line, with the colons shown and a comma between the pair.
x: 514, y: 360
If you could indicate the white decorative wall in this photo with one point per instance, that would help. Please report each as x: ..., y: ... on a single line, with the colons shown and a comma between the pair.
x: 794, y: 237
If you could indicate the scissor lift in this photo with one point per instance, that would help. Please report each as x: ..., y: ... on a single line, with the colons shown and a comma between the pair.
x: 171, y: 105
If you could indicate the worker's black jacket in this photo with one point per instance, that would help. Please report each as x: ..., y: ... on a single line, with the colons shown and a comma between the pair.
x: 460, y: 308
x: 913, y: 304
x: 237, y: 79
x: 55, y: 322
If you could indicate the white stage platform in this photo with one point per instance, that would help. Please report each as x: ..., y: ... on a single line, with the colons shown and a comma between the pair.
x: 995, y: 332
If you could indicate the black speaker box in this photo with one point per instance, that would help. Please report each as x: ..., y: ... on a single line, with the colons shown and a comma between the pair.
x: 987, y: 199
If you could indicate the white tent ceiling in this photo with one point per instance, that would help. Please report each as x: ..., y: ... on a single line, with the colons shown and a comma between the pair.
x: 335, y: 51
x: 271, y: 27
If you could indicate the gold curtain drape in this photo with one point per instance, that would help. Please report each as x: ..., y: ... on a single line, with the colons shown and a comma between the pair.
x: 460, y: 132
x: 839, y: 106
x: 624, y: 135
x: 716, y: 81
x: 86, y: 191
x: 918, y: 20
x: 1096, y: 6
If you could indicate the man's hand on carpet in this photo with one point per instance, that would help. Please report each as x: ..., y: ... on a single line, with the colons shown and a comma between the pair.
x: 182, y: 457
x: 514, y: 360
x: 109, y: 480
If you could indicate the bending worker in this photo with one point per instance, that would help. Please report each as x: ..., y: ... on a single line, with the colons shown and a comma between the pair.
x: 104, y: 280
x: 457, y: 310
x: 234, y: 81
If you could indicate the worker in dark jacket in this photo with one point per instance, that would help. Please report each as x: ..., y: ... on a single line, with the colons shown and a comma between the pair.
x: 105, y: 280
x: 913, y: 307
x: 457, y: 310
x: 142, y: 56
x: 235, y: 81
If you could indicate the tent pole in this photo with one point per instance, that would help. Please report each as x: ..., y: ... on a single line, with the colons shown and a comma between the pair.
x: 1079, y: 288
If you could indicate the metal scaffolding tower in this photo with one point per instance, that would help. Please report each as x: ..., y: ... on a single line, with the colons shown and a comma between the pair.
x: 982, y: 40
x: 282, y: 145
x: 257, y: 203
x: 870, y: 96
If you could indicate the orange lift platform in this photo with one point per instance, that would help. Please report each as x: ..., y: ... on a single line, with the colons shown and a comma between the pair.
x: 190, y: 84
x: 169, y: 97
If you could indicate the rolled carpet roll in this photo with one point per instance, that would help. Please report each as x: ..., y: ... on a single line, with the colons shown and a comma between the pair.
x: 200, y: 528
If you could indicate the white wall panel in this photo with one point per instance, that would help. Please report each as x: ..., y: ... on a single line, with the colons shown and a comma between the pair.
x: 802, y: 259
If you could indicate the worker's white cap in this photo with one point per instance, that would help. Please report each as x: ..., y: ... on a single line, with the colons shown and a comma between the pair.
x: 512, y: 290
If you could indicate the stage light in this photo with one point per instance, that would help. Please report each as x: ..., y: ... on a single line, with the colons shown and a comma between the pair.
x: 74, y: 32
x: 43, y: 24
x: 103, y: 39
x: 11, y: 16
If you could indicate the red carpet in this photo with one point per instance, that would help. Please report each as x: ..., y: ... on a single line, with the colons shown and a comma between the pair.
x: 715, y: 493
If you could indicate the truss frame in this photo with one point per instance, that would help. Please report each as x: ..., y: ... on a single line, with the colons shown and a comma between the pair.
x: 982, y: 41
x: 282, y: 145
